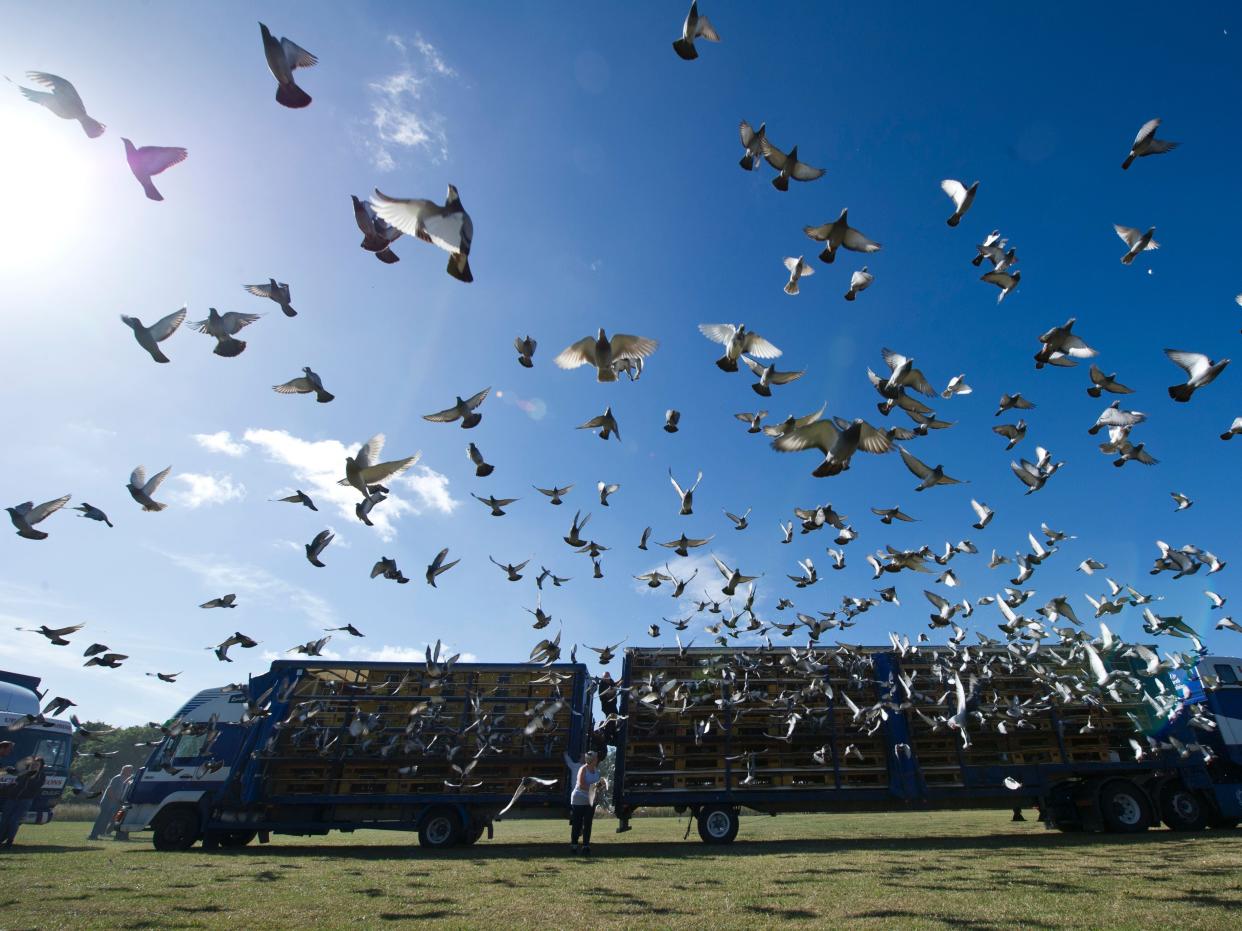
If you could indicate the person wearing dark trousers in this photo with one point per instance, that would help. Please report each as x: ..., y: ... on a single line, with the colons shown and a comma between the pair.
x: 582, y: 803
x: 29, y: 784
x: 608, y: 704
x: 8, y: 782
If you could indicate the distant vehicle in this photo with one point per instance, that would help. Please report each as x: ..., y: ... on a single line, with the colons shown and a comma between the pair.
x: 713, y: 744
x: 52, y: 740
x: 319, y: 745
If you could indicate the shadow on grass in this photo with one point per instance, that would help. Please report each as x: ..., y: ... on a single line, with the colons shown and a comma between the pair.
x: 659, y: 849
x: 26, y: 849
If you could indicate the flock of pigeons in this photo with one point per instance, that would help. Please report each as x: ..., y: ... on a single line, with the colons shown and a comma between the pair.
x: 1072, y: 662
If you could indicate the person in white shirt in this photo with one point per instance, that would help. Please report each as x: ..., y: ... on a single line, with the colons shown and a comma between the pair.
x: 582, y: 801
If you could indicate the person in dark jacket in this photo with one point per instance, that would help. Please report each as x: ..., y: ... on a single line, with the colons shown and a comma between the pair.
x: 26, y: 789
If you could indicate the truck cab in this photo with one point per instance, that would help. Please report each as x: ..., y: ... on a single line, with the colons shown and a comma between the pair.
x: 53, y: 741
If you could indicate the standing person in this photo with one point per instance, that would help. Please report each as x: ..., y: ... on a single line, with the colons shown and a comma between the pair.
x: 608, y: 705
x: 29, y: 785
x: 8, y: 787
x: 109, y: 802
x: 582, y: 803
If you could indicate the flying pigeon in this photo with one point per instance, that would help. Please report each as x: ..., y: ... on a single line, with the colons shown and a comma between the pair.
x: 283, y: 56
x: 798, y: 269
x: 606, y: 491
x: 957, y: 385
x: 683, y: 544
x: 316, y: 546
x: 1101, y: 383
x: 983, y: 513
x: 1234, y: 429
x: 961, y: 196
x: 309, y: 382
x: 377, y: 235
x: 672, y: 419
x: 1146, y: 143
x: 839, y: 234
x: 26, y: 515
x: 141, y: 489
x: 496, y: 504
x: 1136, y: 241
x: 838, y: 440
x: 150, y: 160
x: 482, y: 468
x: 606, y: 423
x: 1059, y: 346
x: 150, y: 337
x: 768, y: 376
x: 438, y: 567
x: 525, y: 350
x: 601, y: 352
x: 859, y: 281
x: 224, y: 601
x: 92, y: 512
x: 687, y: 494
x: 695, y: 27
x: 1200, y: 371
x: 930, y: 476
x: 300, y: 497
x: 224, y: 327
x: 274, y: 290
x: 737, y: 340
x: 787, y: 166
x: 462, y: 410
x: 556, y: 494
x: 752, y: 142
x: 448, y: 227
x: 1003, y: 280
x: 63, y: 100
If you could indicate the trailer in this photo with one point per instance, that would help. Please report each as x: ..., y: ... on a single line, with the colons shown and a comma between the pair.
x: 712, y: 731
x: 46, y: 737
x: 309, y: 747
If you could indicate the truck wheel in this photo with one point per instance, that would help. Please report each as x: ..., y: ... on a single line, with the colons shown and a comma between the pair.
x: 233, y: 839
x: 718, y: 824
x: 175, y: 829
x: 1180, y: 809
x: 1124, y: 808
x: 440, y: 829
x: 470, y: 837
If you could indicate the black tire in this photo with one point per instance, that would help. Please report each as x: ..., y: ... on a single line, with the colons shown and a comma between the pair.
x: 471, y: 837
x: 1124, y: 808
x: 234, y: 839
x: 176, y: 829
x: 1181, y: 809
x: 440, y: 828
x: 718, y: 824
x: 1224, y: 824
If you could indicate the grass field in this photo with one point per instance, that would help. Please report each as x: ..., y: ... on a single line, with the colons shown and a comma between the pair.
x: 972, y: 870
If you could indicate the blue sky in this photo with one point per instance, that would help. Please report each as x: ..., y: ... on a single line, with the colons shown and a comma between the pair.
x: 601, y: 174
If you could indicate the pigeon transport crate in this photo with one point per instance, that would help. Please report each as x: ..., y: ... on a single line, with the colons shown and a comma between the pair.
x: 319, y: 745
x: 714, y: 730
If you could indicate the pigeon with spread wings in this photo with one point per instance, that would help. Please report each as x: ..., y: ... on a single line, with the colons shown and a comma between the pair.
x: 149, y: 160
x: 447, y: 227
x: 362, y: 471
x: 283, y: 56
x: 150, y: 337
x: 601, y: 352
x: 62, y: 99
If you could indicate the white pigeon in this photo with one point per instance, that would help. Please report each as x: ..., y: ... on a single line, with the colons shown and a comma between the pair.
x: 1136, y: 240
x: 63, y: 100
x: 1200, y: 371
x: 695, y: 27
x: 787, y: 166
x: 961, y: 196
x: 1234, y: 429
x: 141, y: 488
x: 447, y: 227
x: 752, y: 142
x: 1003, y: 280
x: 737, y: 340
x: 839, y: 234
x: 601, y: 352
x: 859, y: 281
x: 283, y: 56
x: 1114, y: 416
x: 957, y: 385
x: 798, y: 269
x: 149, y: 337
x: 983, y: 513
x: 1146, y: 143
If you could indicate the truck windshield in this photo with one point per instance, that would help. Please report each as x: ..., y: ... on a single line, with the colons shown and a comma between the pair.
x: 54, y: 748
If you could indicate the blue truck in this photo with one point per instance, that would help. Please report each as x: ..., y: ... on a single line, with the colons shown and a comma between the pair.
x: 709, y: 731
x: 46, y: 737
x: 437, y: 748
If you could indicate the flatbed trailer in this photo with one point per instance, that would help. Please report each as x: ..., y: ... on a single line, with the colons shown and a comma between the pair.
x: 708, y: 731
x: 315, y: 746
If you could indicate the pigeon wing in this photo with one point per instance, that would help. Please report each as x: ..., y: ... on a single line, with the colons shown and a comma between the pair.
x: 377, y: 473
x: 759, y: 347
x: 152, y: 159
x: 625, y: 346
x: 294, y: 386
x: 1195, y: 363
x: 296, y: 56
x: 871, y: 440
x: 820, y: 434
x: 857, y: 242
x: 919, y: 469
x: 804, y: 172
x: 46, y: 509
x: 1129, y: 235
x: 155, y: 481
x: 259, y: 290
x: 477, y: 399
x: 167, y: 326
x: 576, y: 354
x: 234, y: 322
x: 718, y: 332
x: 955, y: 189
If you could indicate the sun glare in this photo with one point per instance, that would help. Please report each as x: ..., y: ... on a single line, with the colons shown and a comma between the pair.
x: 47, y: 169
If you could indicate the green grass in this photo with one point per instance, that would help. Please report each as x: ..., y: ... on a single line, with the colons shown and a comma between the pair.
x: 972, y: 870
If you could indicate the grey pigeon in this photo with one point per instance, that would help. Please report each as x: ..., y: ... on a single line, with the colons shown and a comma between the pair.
x: 150, y: 337
x: 525, y: 349
x: 606, y: 423
x: 1200, y: 371
x: 316, y: 547
x: 274, y: 290
x: 309, y: 382
x: 448, y: 227
x: 461, y: 410
x: 377, y: 235
x: 150, y: 160
x: 839, y: 234
x: 1146, y: 143
x: 63, y: 100
x: 602, y: 353
x: 300, y: 497
x: 438, y: 567
x: 26, y: 515
x: 141, y: 488
x: 482, y: 468
x: 283, y: 56
x: 224, y: 327
x: 92, y: 512
x: 787, y: 166
x: 752, y: 142
x: 695, y: 27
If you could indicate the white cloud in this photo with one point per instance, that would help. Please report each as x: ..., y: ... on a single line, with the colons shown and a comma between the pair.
x: 256, y: 585
x: 402, y: 115
x: 318, y: 466
x: 220, y: 442
x: 396, y: 654
x: 204, y: 490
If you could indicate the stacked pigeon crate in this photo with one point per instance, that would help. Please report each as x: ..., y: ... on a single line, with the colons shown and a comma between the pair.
x: 747, y: 698
x: 447, y: 709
